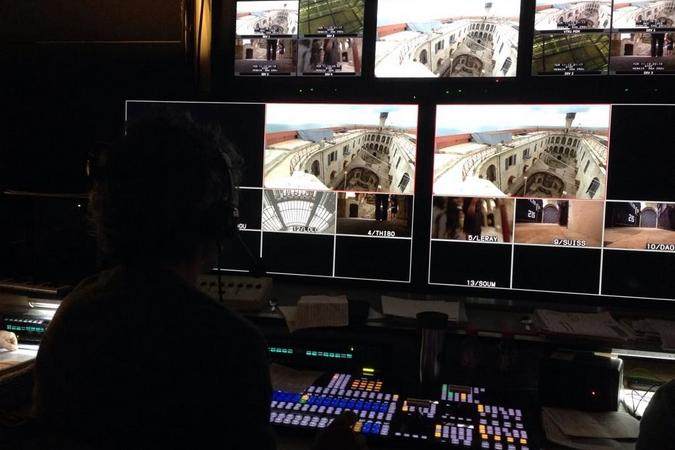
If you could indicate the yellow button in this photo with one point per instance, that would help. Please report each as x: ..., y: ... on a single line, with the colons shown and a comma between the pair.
x: 463, y: 397
x: 509, y: 440
x: 484, y: 437
x: 482, y: 429
x: 523, y: 441
x: 480, y: 408
x: 498, y: 438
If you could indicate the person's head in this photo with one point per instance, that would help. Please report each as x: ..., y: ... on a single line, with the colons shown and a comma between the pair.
x: 164, y: 192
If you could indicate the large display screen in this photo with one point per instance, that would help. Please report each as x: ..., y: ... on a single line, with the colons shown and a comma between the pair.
x: 447, y: 38
x: 327, y: 189
x: 599, y: 37
x: 530, y: 197
x: 304, y: 38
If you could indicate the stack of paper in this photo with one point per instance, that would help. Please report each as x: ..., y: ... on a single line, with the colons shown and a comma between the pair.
x: 590, y: 431
x: 315, y: 311
x: 600, y: 324
x: 665, y: 329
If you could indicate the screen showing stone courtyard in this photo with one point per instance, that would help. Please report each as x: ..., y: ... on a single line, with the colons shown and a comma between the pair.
x: 550, y: 151
x: 447, y: 38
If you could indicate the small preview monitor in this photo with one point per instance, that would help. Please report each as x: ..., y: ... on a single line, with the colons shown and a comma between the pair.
x: 571, y: 37
x: 447, y: 38
x: 299, y: 38
x: 642, y: 38
x: 332, y: 18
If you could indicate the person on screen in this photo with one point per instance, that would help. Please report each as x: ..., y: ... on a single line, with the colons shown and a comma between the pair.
x: 272, y: 49
x: 330, y: 52
x: 657, y: 429
x: 136, y: 356
x: 657, y: 45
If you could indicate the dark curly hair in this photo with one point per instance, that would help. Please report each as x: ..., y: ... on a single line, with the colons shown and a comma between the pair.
x: 151, y: 190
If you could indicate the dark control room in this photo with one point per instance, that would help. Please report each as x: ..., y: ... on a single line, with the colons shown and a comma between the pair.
x: 337, y: 224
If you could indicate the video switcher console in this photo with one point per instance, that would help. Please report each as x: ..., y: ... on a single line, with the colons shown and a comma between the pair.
x: 457, y: 416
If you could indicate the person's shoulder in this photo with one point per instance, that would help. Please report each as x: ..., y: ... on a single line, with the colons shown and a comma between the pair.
x: 224, y: 319
x: 87, y: 291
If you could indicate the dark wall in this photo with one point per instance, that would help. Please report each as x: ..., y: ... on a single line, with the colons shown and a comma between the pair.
x: 67, y: 69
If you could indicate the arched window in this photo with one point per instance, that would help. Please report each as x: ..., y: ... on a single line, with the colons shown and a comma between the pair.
x: 423, y: 57
x: 316, y: 168
x: 593, y: 188
x: 492, y: 173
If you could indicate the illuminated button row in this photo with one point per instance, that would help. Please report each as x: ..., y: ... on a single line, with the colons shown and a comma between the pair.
x: 334, y: 355
x: 372, y: 427
x: 502, y: 446
x: 352, y: 394
x: 338, y: 381
x: 460, y: 394
x: 503, y: 437
x: 283, y: 350
x: 299, y: 420
x: 429, y: 411
x: 454, y: 434
x: 367, y: 385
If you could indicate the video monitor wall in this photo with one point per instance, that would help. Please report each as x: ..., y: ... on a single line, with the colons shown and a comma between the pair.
x: 327, y: 189
x: 600, y: 37
x: 530, y: 197
x: 299, y: 37
x: 447, y: 38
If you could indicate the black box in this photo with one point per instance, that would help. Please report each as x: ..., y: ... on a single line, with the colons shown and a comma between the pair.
x: 583, y: 381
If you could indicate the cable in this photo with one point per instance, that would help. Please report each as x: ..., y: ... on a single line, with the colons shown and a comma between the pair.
x: 199, y: 39
x: 257, y: 268
x: 220, y: 264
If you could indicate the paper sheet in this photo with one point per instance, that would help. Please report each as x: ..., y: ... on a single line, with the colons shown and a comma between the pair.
x: 600, y: 324
x: 555, y: 435
x: 291, y: 380
x: 609, y: 425
x: 666, y: 330
x: 400, y: 307
x: 315, y: 311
